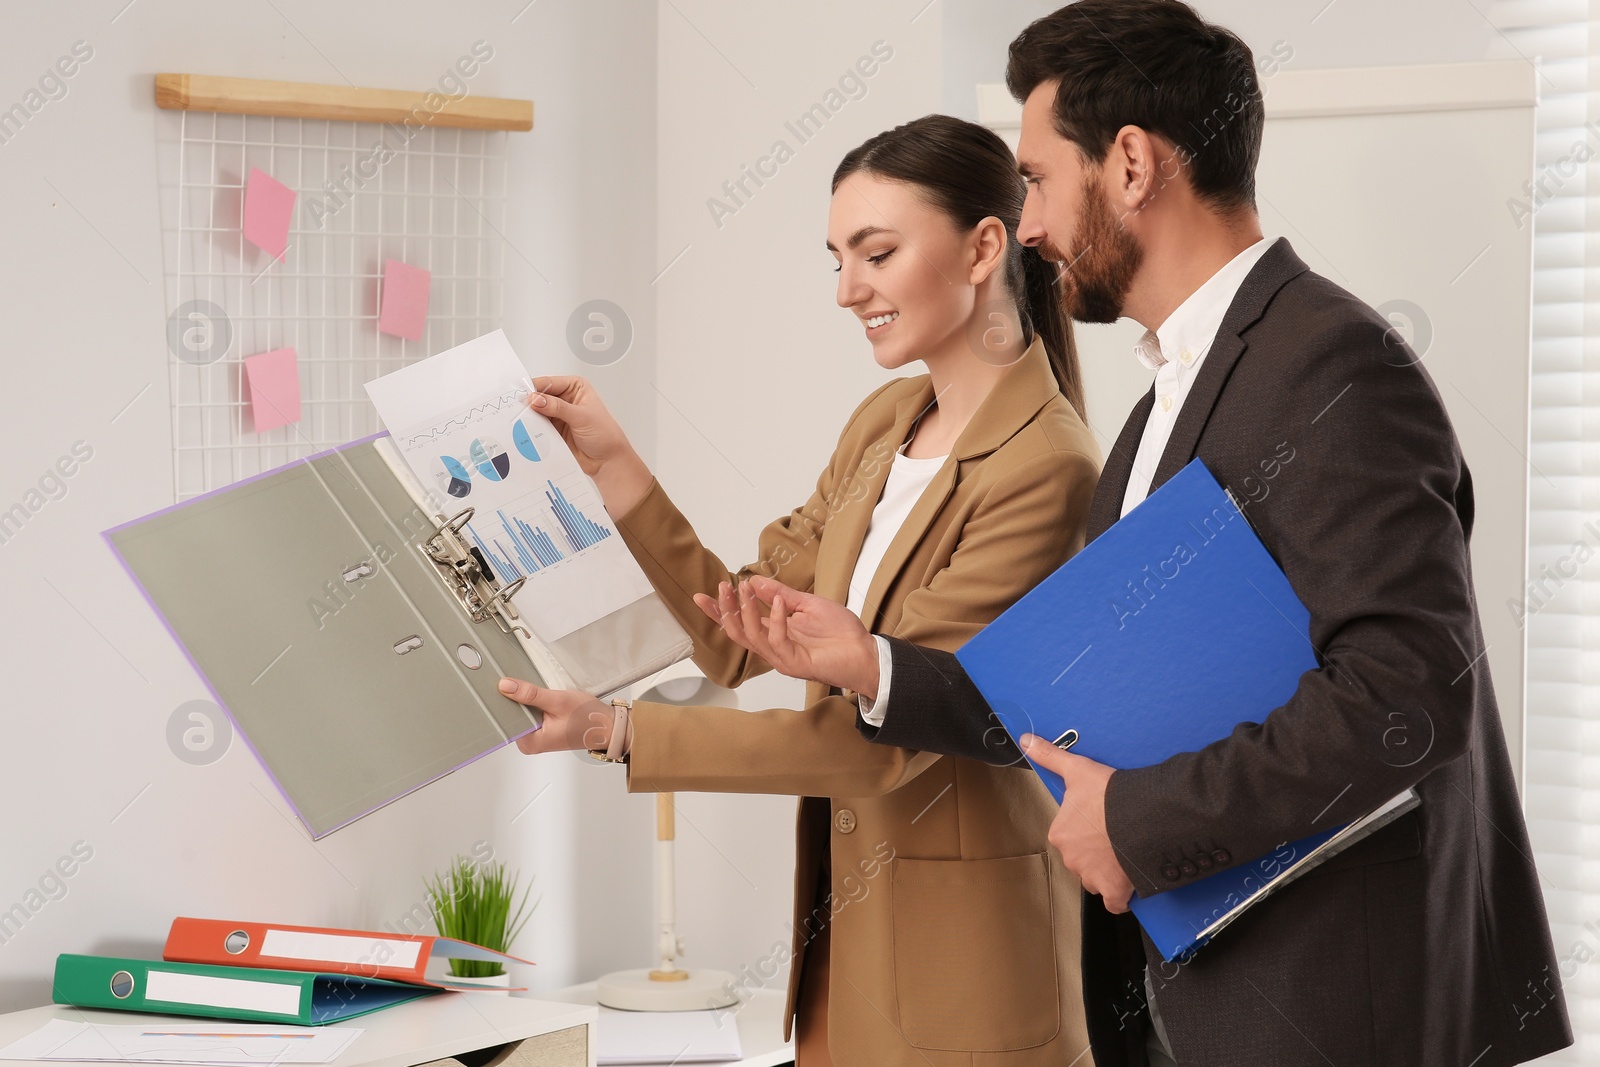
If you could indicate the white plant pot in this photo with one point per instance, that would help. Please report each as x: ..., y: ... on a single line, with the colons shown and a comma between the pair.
x: 496, y: 983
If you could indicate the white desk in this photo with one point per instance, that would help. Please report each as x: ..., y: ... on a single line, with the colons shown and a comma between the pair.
x: 417, y: 1032
x: 760, y: 1025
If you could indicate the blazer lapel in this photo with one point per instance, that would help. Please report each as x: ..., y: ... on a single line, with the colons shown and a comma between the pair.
x: 1208, y: 381
x: 1013, y: 402
x: 1271, y: 273
x: 847, y: 527
x: 1106, y: 507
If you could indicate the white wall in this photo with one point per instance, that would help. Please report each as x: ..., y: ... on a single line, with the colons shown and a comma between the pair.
x: 90, y: 677
x: 1345, y: 33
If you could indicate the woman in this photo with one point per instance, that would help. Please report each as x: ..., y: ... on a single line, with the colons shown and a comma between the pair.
x: 929, y: 920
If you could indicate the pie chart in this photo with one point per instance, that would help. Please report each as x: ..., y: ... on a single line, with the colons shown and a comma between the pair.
x: 490, y: 459
x: 453, y: 477
x: 523, y: 441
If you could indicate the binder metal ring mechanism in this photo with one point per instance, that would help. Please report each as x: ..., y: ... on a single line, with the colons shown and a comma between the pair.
x: 466, y: 574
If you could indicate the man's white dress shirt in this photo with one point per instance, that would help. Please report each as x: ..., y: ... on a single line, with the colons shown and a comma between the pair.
x: 1175, y: 351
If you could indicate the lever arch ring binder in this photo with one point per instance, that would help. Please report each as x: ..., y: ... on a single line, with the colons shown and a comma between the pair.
x: 353, y: 637
x: 466, y: 574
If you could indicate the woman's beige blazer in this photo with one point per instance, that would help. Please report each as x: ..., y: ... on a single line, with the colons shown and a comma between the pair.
x: 954, y: 933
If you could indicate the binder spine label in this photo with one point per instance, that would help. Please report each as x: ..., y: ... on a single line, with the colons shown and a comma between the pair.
x: 339, y: 948
x: 203, y: 990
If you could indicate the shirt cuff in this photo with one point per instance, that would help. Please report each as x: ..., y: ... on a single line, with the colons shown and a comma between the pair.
x: 872, y: 711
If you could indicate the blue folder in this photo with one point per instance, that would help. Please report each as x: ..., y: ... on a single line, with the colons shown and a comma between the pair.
x: 1159, y: 637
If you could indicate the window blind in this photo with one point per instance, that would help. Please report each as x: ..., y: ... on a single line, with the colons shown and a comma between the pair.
x: 1561, y: 606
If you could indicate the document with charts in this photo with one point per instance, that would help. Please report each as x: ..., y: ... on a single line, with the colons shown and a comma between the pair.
x: 461, y: 421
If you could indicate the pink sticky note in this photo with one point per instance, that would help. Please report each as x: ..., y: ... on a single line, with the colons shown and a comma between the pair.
x: 404, y: 310
x: 268, y: 207
x: 273, y: 379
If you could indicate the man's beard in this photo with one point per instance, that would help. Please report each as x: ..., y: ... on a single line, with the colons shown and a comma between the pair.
x: 1096, y: 276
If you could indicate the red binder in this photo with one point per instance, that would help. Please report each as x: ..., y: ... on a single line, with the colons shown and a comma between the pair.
x: 278, y: 946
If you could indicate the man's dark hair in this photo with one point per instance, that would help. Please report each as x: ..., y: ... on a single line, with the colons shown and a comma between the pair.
x: 1158, y: 65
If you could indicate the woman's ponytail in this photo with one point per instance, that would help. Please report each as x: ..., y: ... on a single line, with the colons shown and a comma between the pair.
x: 1043, y: 309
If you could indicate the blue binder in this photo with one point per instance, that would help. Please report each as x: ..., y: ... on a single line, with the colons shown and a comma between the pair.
x: 1160, y: 637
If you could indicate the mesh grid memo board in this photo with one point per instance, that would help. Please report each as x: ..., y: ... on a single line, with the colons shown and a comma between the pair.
x: 430, y: 195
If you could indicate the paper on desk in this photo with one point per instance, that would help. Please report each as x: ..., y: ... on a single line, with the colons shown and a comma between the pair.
x: 639, y: 1037
x: 461, y: 420
x: 162, y: 1042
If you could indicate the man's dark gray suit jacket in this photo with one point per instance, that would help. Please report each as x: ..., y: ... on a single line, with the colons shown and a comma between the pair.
x: 1425, y: 944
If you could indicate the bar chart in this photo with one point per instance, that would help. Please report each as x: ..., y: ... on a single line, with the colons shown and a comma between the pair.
x: 581, y: 532
x: 514, y: 547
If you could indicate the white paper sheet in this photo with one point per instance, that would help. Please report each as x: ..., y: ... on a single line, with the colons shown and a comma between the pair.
x: 219, y: 1042
x: 641, y: 1037
x: 462, y: 422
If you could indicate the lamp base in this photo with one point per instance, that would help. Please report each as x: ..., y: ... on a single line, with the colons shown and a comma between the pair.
x: 697, y: 990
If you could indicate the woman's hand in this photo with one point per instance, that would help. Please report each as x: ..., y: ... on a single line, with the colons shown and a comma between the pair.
x: 596, y: 439
x: 572, y: 719
x: 802, y: 636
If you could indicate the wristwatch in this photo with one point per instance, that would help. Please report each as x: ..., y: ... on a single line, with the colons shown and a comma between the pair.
x: 617, y: 750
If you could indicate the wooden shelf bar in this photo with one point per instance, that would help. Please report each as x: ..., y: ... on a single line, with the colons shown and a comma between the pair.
x: 340, y: 103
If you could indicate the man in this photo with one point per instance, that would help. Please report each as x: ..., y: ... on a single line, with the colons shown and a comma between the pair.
x: 1427, y: 942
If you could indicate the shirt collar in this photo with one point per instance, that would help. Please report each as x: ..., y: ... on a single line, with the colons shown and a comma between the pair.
x: 1193, y: 324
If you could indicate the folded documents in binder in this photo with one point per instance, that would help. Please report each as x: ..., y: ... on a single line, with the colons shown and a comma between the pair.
x: 355, y: 621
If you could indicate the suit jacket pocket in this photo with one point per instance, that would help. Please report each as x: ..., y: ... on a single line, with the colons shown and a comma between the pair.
x: 1401, y: 839
x: 975, y: 953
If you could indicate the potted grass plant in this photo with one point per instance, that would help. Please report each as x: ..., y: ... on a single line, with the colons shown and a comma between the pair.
x: 473, y: 902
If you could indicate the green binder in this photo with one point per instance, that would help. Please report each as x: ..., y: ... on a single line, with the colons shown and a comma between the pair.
x: 245, y: 994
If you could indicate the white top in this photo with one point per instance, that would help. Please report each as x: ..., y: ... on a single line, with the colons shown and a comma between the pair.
x: 1175, y: 352
x: 907, y: 479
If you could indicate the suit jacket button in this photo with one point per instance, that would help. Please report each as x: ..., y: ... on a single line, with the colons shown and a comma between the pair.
x: 1203, y: 861
x: 845, y: 821
x: 1222, y: 856
x: 1187, y: 868
x: 1170, y: 872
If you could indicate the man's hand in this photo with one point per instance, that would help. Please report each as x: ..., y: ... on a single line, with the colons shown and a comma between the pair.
x: 1079, y: 829
x: 802, y: 635
x: 572, y: 719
